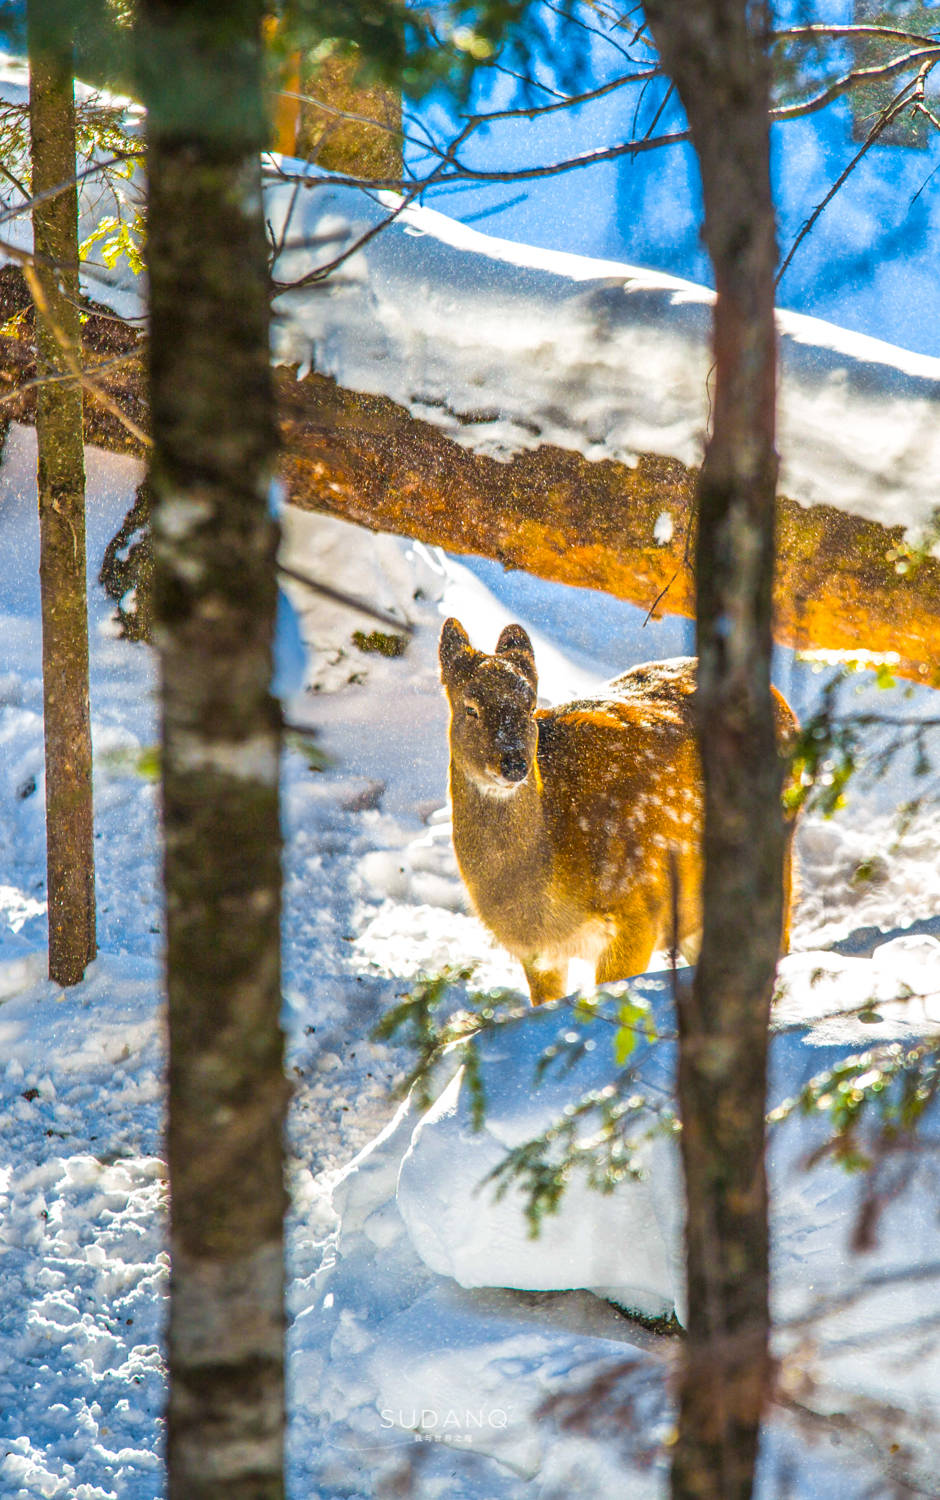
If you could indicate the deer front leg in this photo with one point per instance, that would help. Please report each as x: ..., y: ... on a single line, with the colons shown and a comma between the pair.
x: 628, y: 955
x: 545, y: 984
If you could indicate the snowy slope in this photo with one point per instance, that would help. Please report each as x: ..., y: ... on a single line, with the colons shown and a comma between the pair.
x: 381, y: 1344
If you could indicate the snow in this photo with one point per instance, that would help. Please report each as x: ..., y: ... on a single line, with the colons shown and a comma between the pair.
x: 392, y: 1362
x: 626, y: 1247
x: 451, y: 323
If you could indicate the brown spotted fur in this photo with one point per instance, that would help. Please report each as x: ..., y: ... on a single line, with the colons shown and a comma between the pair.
x: 580, y: 856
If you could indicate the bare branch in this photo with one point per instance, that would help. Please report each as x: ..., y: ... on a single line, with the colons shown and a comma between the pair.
x: 75, y: 369
x: 834, y: 33
x: 62, y: 187
x: 568, y: 101
x: 88, y: 374
x: 338, y: 596
x: 902, y: 100
x: 875, y: 74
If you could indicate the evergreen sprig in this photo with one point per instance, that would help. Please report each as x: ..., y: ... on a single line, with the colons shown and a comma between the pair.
x: 886, y: 1090
x: 596, y: 1134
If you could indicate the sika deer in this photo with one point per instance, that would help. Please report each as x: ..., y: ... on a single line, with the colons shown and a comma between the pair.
x: 573, y: 825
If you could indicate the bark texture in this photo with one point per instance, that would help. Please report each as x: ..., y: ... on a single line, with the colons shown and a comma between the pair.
x: 550, y: 511
x: 714, y: 51
x: 215, y: 592
x: 70, y: 862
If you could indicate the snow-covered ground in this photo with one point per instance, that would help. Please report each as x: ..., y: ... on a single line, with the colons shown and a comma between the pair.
x: 395, y: 1367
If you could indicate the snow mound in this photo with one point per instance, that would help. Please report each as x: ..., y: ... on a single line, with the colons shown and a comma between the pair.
x: 625, y: 1246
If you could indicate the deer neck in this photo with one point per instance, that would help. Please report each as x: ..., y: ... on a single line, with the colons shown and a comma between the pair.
x: 503, y: 850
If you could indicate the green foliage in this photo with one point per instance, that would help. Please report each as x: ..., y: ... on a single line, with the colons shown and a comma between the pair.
x: 304, y: 742
x: 874, y: 1101
x: 824, y: 760
x: 419, y: 1024
x: 380, y: 643
x: 422, y: 47
x: 600, y: 1134
x: 910, y: 553
x: 634, y: 1017
x: 117, y: 238
x: 144, y: 763
x: 833, y: 745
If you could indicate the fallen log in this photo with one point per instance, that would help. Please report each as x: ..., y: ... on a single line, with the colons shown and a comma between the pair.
x: 844, y: 584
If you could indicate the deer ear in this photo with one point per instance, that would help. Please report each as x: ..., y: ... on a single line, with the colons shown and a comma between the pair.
x: 514, y: 643
x: 456, y: 653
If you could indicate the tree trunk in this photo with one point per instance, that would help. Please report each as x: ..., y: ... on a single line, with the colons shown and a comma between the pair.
x: 715, y: 53
x: 70, y: 861
x: 200, y: 67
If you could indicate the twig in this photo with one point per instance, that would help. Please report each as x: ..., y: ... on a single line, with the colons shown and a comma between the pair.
x: 887, y: 115
x: 62, y: 187
x: 349, y: 600
x: 74, y: 367
x: 875, y: 74
x: 106, y: 364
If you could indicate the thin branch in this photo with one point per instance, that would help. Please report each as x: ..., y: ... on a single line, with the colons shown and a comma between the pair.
x: 12, y: 177
x: 461, y: 173
x: 74, y: 367
x: 568, y: 101
x: 532, y: 83
x: 831, y: 33
x: 342, y: 115
x: 63, y: 187
x: 320, y: 273
x: 317, y: 586
x: 848, y: 81
x: 902, y: 100
x: 592, y: 30
x: 58, y: 379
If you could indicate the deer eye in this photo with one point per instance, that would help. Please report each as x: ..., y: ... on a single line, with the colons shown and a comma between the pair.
x: 471, y: 711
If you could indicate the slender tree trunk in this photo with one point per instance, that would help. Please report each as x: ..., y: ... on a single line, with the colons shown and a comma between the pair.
x: 200, y: 66
x: 70, y: 862
x: 715, y: 52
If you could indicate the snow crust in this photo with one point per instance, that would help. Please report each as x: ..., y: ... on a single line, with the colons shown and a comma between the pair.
x: 506, y: 347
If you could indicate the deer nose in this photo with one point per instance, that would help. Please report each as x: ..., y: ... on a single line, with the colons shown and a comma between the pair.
x: 513, y: 767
